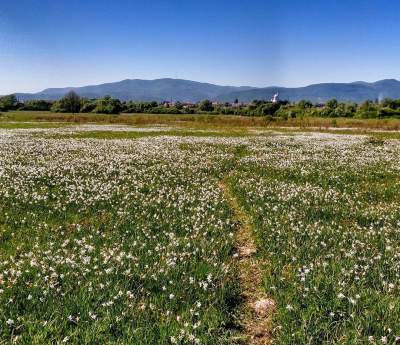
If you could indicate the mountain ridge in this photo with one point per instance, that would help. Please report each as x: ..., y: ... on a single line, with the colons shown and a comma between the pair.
x: 355, y: 92
x: 192, y: 91
x: 142, y: 90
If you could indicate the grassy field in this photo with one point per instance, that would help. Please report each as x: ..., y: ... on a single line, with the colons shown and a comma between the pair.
x: 327, y: 220
x: 122, y: 234
x: 202, y: 121
x: 112, y: 242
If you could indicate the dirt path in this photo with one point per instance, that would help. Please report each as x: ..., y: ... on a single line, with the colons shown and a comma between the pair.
x: 257, y: 309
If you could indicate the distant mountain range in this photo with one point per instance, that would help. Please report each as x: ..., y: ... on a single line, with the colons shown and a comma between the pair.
x: 142, y: 90
x: 192, y: 91
x: 356, y: 92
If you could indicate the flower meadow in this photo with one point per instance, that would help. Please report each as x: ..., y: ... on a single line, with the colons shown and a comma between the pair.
x: 131, y: 241
x: 326, y: 215
x: 106, y: 241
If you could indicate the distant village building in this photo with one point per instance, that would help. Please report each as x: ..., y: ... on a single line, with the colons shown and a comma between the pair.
x: 275, y: 98
x: 168, y: 104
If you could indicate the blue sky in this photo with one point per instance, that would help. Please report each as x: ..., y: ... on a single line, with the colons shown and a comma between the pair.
x: 48, y: 43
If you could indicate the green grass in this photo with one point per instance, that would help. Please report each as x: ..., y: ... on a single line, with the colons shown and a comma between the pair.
x: 328, y: 229
x: 110, y: 243
x: 132, y: 241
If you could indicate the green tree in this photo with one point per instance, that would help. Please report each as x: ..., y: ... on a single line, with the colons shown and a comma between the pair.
x: 367, y: 106
x: 88, y: 105
x: 108, y: 105
x: 206, y: 105
x: 332, y: 103
x: 36, y: 105
x: 304, y: 104
x: 388, y: 103
x: 70, y: 103
x: 351, y: 109
x: 368, y: 109
x: 8, y: 102
x: 178, y: 105
x: 268, y: 108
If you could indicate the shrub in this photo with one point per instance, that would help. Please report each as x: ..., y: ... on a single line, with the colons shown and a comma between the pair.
x: 37, y: 105
x: 107, y: 105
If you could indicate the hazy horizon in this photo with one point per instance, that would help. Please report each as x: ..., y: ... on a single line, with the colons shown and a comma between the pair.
x: 260, y: 43
x: 106, y: 82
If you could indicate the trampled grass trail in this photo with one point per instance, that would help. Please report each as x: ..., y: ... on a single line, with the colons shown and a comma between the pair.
x: 255, y: 313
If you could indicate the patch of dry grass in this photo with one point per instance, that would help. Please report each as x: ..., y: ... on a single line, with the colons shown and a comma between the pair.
x: 205, y: 121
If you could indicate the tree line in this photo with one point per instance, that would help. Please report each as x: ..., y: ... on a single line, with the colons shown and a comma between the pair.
x: 72, y: 103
